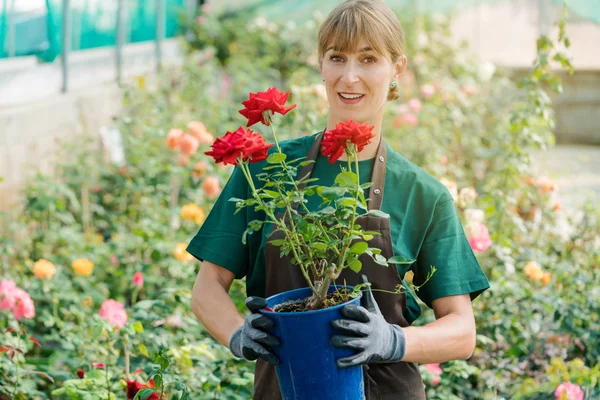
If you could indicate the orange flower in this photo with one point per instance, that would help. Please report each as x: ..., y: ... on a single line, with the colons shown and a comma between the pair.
x: 547, y: 278
x: 192, y: 212
x: 556, y: 206
x: 211, y: 186
x: 173, y: 138
x: 44, y: 269
x: 533, y: 271
x: 181, y: 254
x: 546, y: 185
x: 199, y: 169
x: 82, y: 267
x: 183, y: 160
x: 188, y: 144
x: 198, y: 130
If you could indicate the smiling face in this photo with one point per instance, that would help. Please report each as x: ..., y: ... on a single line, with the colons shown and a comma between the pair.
x: 358, y: 82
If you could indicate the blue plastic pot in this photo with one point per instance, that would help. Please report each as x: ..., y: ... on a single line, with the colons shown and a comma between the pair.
x: 308, y: 370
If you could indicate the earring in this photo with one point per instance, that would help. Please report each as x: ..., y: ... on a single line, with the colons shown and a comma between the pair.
x: 393, y: 84
x: 323, y: 79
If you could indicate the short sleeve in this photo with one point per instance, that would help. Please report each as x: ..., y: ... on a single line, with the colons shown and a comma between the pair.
x: 446, y: 248
x: 219, y: 239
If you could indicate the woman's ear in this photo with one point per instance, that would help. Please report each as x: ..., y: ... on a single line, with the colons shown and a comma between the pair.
x: 400, y: 66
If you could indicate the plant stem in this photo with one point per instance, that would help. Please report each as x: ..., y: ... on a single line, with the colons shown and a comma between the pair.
x: 16, y: 368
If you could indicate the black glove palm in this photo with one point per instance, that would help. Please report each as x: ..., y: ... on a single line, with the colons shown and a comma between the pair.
x: 251, y: 341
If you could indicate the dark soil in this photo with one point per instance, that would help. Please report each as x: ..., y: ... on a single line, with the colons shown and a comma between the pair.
x: 333, y: 299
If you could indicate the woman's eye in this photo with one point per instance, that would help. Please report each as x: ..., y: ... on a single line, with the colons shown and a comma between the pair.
x: 335, y: 58
x: 369, y: 60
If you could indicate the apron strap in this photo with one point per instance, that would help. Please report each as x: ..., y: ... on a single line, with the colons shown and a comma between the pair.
x: 378, y: 177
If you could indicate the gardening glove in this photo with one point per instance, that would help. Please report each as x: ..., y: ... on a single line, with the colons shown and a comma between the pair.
x: 251, y: 340
x: 367, y: 331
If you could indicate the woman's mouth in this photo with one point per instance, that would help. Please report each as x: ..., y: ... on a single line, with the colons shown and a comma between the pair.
x: 350, y: 98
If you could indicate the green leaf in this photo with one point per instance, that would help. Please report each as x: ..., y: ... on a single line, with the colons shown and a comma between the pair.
x: 276, y: 158
x: 319, y: 246
x: 277, y: 242
x: 379, y: 213
x: 327, y: 210
x: 144, y: 350
x: 145, y: 393
x: 158, y: 380
x: 303, y: 163
x: 400, y: 260
x: 256, y: 224
x: 354, y: 265
x: 138, y: 327
x: 271, y: 193
x: 359, y: 247
x: 346, y: 202
x: 367, y: 237
x: 332, y: 193
x: 346, y: 178
x: 379, y: 259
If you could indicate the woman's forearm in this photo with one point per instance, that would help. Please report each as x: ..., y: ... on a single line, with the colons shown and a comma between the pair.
x: 451, y: 337
x: 213, y: 307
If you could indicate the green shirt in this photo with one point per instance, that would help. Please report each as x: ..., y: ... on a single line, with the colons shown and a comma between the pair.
x: 423, y: 221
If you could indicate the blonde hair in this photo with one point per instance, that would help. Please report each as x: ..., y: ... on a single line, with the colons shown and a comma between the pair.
x: 371, y: 20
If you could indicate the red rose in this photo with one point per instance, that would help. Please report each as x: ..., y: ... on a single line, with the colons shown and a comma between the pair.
x: 335, y: 141
x: 80, y: 373
x: 260, y: 102
x: 244, y: 143
x: 134, y: 386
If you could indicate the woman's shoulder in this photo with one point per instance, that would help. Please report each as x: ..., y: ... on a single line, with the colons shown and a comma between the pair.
x: 407, y: 175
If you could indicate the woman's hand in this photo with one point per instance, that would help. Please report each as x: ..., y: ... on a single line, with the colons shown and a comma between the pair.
x: 367, y: 331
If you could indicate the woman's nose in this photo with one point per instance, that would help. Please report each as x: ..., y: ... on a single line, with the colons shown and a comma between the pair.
x: 350, y: 74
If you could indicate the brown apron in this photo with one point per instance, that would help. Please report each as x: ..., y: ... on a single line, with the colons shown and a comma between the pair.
x: 382, y: 381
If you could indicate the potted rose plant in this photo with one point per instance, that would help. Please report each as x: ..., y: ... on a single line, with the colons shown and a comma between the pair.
x: 320, y: 243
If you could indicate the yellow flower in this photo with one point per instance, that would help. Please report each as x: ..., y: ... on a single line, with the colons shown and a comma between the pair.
x: 181, y: 254
x: 83, y: 267
x: 547, y: 278
x: 87, y: 302
x: 192, y: 212
x: 533, y: 271
x: 43, y: 269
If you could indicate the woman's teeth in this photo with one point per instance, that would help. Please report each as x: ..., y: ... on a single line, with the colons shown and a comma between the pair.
x: 351, y: 96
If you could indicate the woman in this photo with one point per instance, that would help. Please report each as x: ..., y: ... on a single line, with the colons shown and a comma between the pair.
x: 361, y: 60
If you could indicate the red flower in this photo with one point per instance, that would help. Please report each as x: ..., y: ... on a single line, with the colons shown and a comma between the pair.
x: 272, y: 100
x: 80, y: 373
x: 97, y: 365
x: 241, y: 143
x: 138, y: 279
x: 335, y: 141
x: 133, y: 386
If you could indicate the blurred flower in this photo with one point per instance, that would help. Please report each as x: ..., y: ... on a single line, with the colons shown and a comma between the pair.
x: 183, y: 160
x: 211, y: 186
x: 466, y: 196
x: 547, y: 278
x: 546, y: 185
x: 113, y: 312
x: 199, y: 131
x: 181, y: 254
x: 87, y: 302
x: 469, y: 89
x: 133, y: 387
x: 199, y: 169
x: 435, y: 370
x: 201, y: 20
x: 427, y: 91
x: 7, y: 294
x: 556, y: 206
x: 407, y: 119
x: 474, y: 217
x: 138, y: 279
x: 192, y: 212
x: 114, y: 260
x: 82, y: 267
x: 451, y: 186
x: 173, y: 138
x: 188, y: 144
x: 43, y: 269
x: 98, y: 365
x: 80, y: 373
x: 568, y: 391
x: 486, y: 71
x: 533, y: 271
x: 415, y: 105
x: 23, y: 307
x: 206, y: 8
x: 481, y: 241
x: 444, y: 160
x: 174, y: 321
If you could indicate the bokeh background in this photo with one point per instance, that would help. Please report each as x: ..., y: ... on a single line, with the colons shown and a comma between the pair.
x: 106, y: 109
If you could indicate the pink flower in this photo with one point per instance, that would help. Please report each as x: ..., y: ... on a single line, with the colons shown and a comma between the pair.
x: 114, y: 261
x: 97, y: 365
x: 211, y: 186
x: 138, y: 279
x: 469, y: 89
x: 427, y: 91
x: 481, y: 241
x: 444, y: 160
x: 406, y: 120
x: 114, y: 312
x: 188, y: 144
x: 568, y: 391
x: 201, y: 20
x: 415, y: 105
x: 435, y: 370
x: 7, y: 296
x: 24, y: 307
